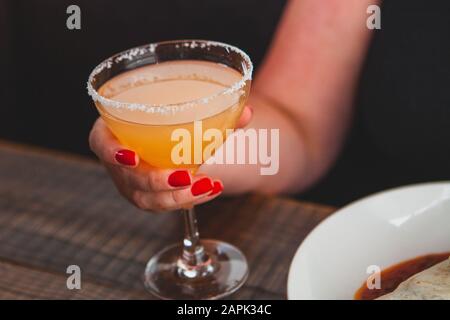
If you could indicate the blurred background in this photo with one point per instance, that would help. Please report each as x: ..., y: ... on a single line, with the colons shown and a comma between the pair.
x: 404, y: 86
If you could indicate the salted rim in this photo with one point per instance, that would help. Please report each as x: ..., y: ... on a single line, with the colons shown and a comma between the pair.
x: 132, y: 53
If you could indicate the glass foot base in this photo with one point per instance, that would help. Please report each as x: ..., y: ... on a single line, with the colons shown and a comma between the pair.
x: 227, y: 267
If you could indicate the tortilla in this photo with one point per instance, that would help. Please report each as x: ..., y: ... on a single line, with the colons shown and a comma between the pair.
x: 430, y: 284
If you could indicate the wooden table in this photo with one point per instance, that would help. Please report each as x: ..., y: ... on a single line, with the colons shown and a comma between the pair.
x: 58, y: 210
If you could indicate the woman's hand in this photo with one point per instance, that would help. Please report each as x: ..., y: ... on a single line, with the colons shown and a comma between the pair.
x: 147, y: 187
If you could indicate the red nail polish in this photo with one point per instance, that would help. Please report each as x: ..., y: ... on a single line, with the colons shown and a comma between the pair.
x: 202, y: 186
x: 126, y: 157
x: 218, y: 187
x: 179, y: 178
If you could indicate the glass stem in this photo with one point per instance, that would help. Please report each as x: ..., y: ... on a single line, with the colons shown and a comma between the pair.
x: 194, y: 261
x: 191, y: 236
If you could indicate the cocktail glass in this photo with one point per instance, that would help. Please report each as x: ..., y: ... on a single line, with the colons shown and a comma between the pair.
x: 193, y: 269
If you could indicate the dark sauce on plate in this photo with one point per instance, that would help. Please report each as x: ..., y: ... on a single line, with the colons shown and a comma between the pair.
x: 396, y: 274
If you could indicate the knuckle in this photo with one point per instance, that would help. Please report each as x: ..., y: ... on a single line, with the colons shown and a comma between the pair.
x: 138, y: 200
x: 149, y: 181
x: 177, y: 197
x: 159, y: 204
x: 154, y: 181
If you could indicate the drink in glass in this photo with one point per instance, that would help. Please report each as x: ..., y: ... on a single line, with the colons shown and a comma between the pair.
x: 144, y: 95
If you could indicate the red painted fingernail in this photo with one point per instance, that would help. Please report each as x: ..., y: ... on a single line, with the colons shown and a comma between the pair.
x: 180, y: 178
x: 202, y: 186
x: 126, y: 157
x: 218, y: 187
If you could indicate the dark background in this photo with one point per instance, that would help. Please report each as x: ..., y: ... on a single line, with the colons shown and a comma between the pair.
x: 401, y: 131
x: 49, y: 64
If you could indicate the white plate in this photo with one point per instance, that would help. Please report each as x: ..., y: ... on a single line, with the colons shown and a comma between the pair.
x: 382, y: 230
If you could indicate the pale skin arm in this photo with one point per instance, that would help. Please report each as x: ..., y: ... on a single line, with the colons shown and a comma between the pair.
x: 304, y: 88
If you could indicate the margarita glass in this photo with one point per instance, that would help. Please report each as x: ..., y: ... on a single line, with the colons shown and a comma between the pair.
x: 147, y: 93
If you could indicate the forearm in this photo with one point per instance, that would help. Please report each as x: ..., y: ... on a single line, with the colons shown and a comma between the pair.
x: 293, y: 158
x: 310, y: 74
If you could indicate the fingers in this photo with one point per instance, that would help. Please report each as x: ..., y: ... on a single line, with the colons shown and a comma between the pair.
x: 202, y: 190
x: 246, y: 116
x: 155, y: 193
x: 217, y: 190
x: 108, y: 149
x: 147, y: 178
x: 147, y: 187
